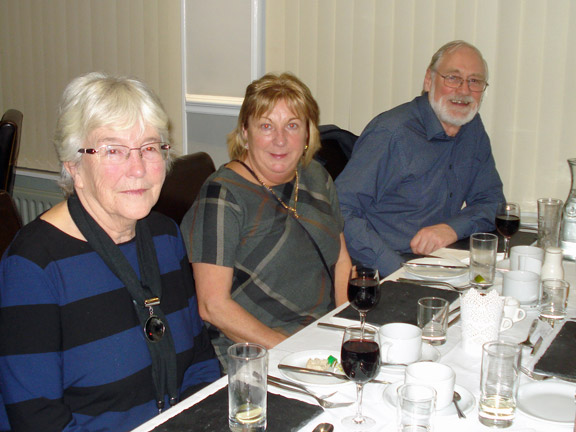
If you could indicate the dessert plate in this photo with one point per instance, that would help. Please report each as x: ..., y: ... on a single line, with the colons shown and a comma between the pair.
x: 300, y: 359
x: 551, y: 401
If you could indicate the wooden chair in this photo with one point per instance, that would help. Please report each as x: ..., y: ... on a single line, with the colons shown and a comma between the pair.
x: 10, y: 131
x: 11, y: 221
x: 183, y: 183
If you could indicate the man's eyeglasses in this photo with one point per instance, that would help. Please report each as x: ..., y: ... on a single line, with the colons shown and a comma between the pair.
x: 454, y: 81
x: 116, y: 154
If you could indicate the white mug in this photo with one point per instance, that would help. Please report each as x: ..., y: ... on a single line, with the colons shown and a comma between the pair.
x: 512, y: 309
x: 400, y: 343
x: 522, y: 285
x: 437, y: 375
x: 505, y: 323
x: 527, y: 258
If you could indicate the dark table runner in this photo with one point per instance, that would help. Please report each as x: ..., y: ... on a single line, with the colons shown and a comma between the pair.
x: 398, y: 303
x: 560, y: 357
x: 211, y: 415
x: 521, y: 238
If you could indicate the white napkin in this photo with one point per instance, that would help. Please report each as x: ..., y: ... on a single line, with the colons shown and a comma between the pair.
x: 481, y: 317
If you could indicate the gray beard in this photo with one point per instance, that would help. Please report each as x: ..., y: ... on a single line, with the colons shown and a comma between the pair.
x: 443, y: 114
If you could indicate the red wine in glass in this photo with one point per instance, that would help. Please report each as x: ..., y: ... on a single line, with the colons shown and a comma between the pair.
x: 363, y: 290
x: 360, y: 359
x: 507, y: 222
x: 360, y: 356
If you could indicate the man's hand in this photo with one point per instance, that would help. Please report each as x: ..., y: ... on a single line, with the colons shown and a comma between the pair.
x: 432, y: 238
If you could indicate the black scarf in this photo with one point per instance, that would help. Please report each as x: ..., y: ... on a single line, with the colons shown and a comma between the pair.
x: 163, y: 352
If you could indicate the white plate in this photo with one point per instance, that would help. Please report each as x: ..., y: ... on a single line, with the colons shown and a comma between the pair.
x: 429, y: 353
x: 551, y: 401
x: 436, y: 273
x: 466, y: 404
x: 300, y: 358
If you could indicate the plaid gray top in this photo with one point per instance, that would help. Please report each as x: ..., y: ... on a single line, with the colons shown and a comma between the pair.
x: 278, y: 276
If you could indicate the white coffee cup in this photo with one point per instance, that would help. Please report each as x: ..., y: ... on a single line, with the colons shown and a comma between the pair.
x: 437, y: 375
x: 527, y: 258
x: 400, y: 343
x: 522, y: 285
x: 512, y: 309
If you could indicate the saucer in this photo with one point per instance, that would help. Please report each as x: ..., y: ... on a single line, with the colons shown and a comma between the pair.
x: 466, y: 404
x: 429, y: 353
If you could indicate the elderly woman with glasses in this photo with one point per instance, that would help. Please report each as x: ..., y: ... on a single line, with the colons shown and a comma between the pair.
x: 266, y: 240
x: 98, y: 309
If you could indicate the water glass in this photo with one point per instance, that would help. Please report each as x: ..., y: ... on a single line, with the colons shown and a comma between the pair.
x: 549, y: 219
x: 433, y: 319
x: 415, y: 407
x: 499, y: 383
x: 554, y: 299
x: 483, y: 249
x: 247, y: 391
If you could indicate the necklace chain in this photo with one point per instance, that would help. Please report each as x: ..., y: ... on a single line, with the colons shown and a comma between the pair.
x: 286, y: 206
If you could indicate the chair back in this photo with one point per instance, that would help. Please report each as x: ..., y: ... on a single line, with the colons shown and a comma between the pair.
x: 336, y: 147
x: 10, y: 130
x: 11, y: 221
x: 183, y: 183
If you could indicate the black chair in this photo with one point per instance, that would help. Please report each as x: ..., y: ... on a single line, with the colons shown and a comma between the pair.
x: 336, y: 146
x: 10, y: 130
x: 10, y: 218
x: 183, y: 183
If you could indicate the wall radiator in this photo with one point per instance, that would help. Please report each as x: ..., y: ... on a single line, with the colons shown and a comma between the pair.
x: 31, y: 203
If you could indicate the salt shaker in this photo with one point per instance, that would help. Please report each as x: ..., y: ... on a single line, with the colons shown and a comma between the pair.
x: 552, y: 267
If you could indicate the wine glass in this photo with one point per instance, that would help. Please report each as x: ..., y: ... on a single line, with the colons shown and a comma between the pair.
x: 507, y: 223
x: 363, y: 290
x: 360, y: 358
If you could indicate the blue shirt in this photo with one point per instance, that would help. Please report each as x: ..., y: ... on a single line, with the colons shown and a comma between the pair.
x: 405, y: 173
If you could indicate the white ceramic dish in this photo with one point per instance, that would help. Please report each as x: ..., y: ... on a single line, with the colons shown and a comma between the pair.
x: 551, y: 401
x: 466, y: 404
x: 300, y: 358
x: 429, y: 353
x: 436, y: 273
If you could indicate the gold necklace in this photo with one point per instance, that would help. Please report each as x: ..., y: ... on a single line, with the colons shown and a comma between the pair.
x: 286, y: 206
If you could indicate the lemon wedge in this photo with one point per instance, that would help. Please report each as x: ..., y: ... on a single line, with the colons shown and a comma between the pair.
x: 479, y: 279
x: 249, y: 414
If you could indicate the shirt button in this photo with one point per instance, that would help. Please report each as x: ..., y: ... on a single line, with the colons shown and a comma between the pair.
x: 450, y: 166
x: 450, y: 194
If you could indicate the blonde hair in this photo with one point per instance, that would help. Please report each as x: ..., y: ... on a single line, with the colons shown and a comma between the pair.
x: 261, y: 97
x: 99, y: 100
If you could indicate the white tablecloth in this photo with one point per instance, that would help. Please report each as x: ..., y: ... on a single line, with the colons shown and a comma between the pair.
x: 466, y: 367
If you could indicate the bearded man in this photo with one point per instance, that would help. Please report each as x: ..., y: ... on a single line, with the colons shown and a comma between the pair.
x: 422, y: 175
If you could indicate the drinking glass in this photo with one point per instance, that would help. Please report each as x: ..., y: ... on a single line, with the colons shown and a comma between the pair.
x: 507, y: 223
x: 363, y: 290
x: 361, y: 362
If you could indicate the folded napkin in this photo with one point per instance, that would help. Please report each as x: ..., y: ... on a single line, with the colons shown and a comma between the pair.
x: 560, y: 357
x: 398, y: 303
x: 211, y: 415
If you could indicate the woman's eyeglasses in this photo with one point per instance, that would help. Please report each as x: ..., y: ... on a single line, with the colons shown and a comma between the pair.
x: 117, y: 154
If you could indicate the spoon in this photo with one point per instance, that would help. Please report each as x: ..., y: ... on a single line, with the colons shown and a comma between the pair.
x: 456, y: 399
x: 324, y: 427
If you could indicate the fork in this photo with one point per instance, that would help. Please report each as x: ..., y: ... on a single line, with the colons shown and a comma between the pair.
x: 541, y: 377
x: 295, y: 387
x: 432, y: 283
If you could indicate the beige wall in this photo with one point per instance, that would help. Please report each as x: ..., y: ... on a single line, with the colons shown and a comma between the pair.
x: 361, y: 57
x: 46, y: 43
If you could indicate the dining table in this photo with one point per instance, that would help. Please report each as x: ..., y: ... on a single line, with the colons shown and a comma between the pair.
x: 379, y: 399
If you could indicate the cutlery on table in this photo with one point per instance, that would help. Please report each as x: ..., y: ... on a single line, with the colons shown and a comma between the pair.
x: 541, y: 377
x: 435, y: 283
x: 323, y: 373
x: 297, y: 388
x: 324, y: 427
x: 532, y: 328
x: 455, y: 400
x: 444, y: 266
x: 536, y: 346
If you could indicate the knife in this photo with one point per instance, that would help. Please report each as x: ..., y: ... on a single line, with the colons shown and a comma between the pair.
x: 536, y: 346
x: 322, y: 372
x: 409, y: 264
